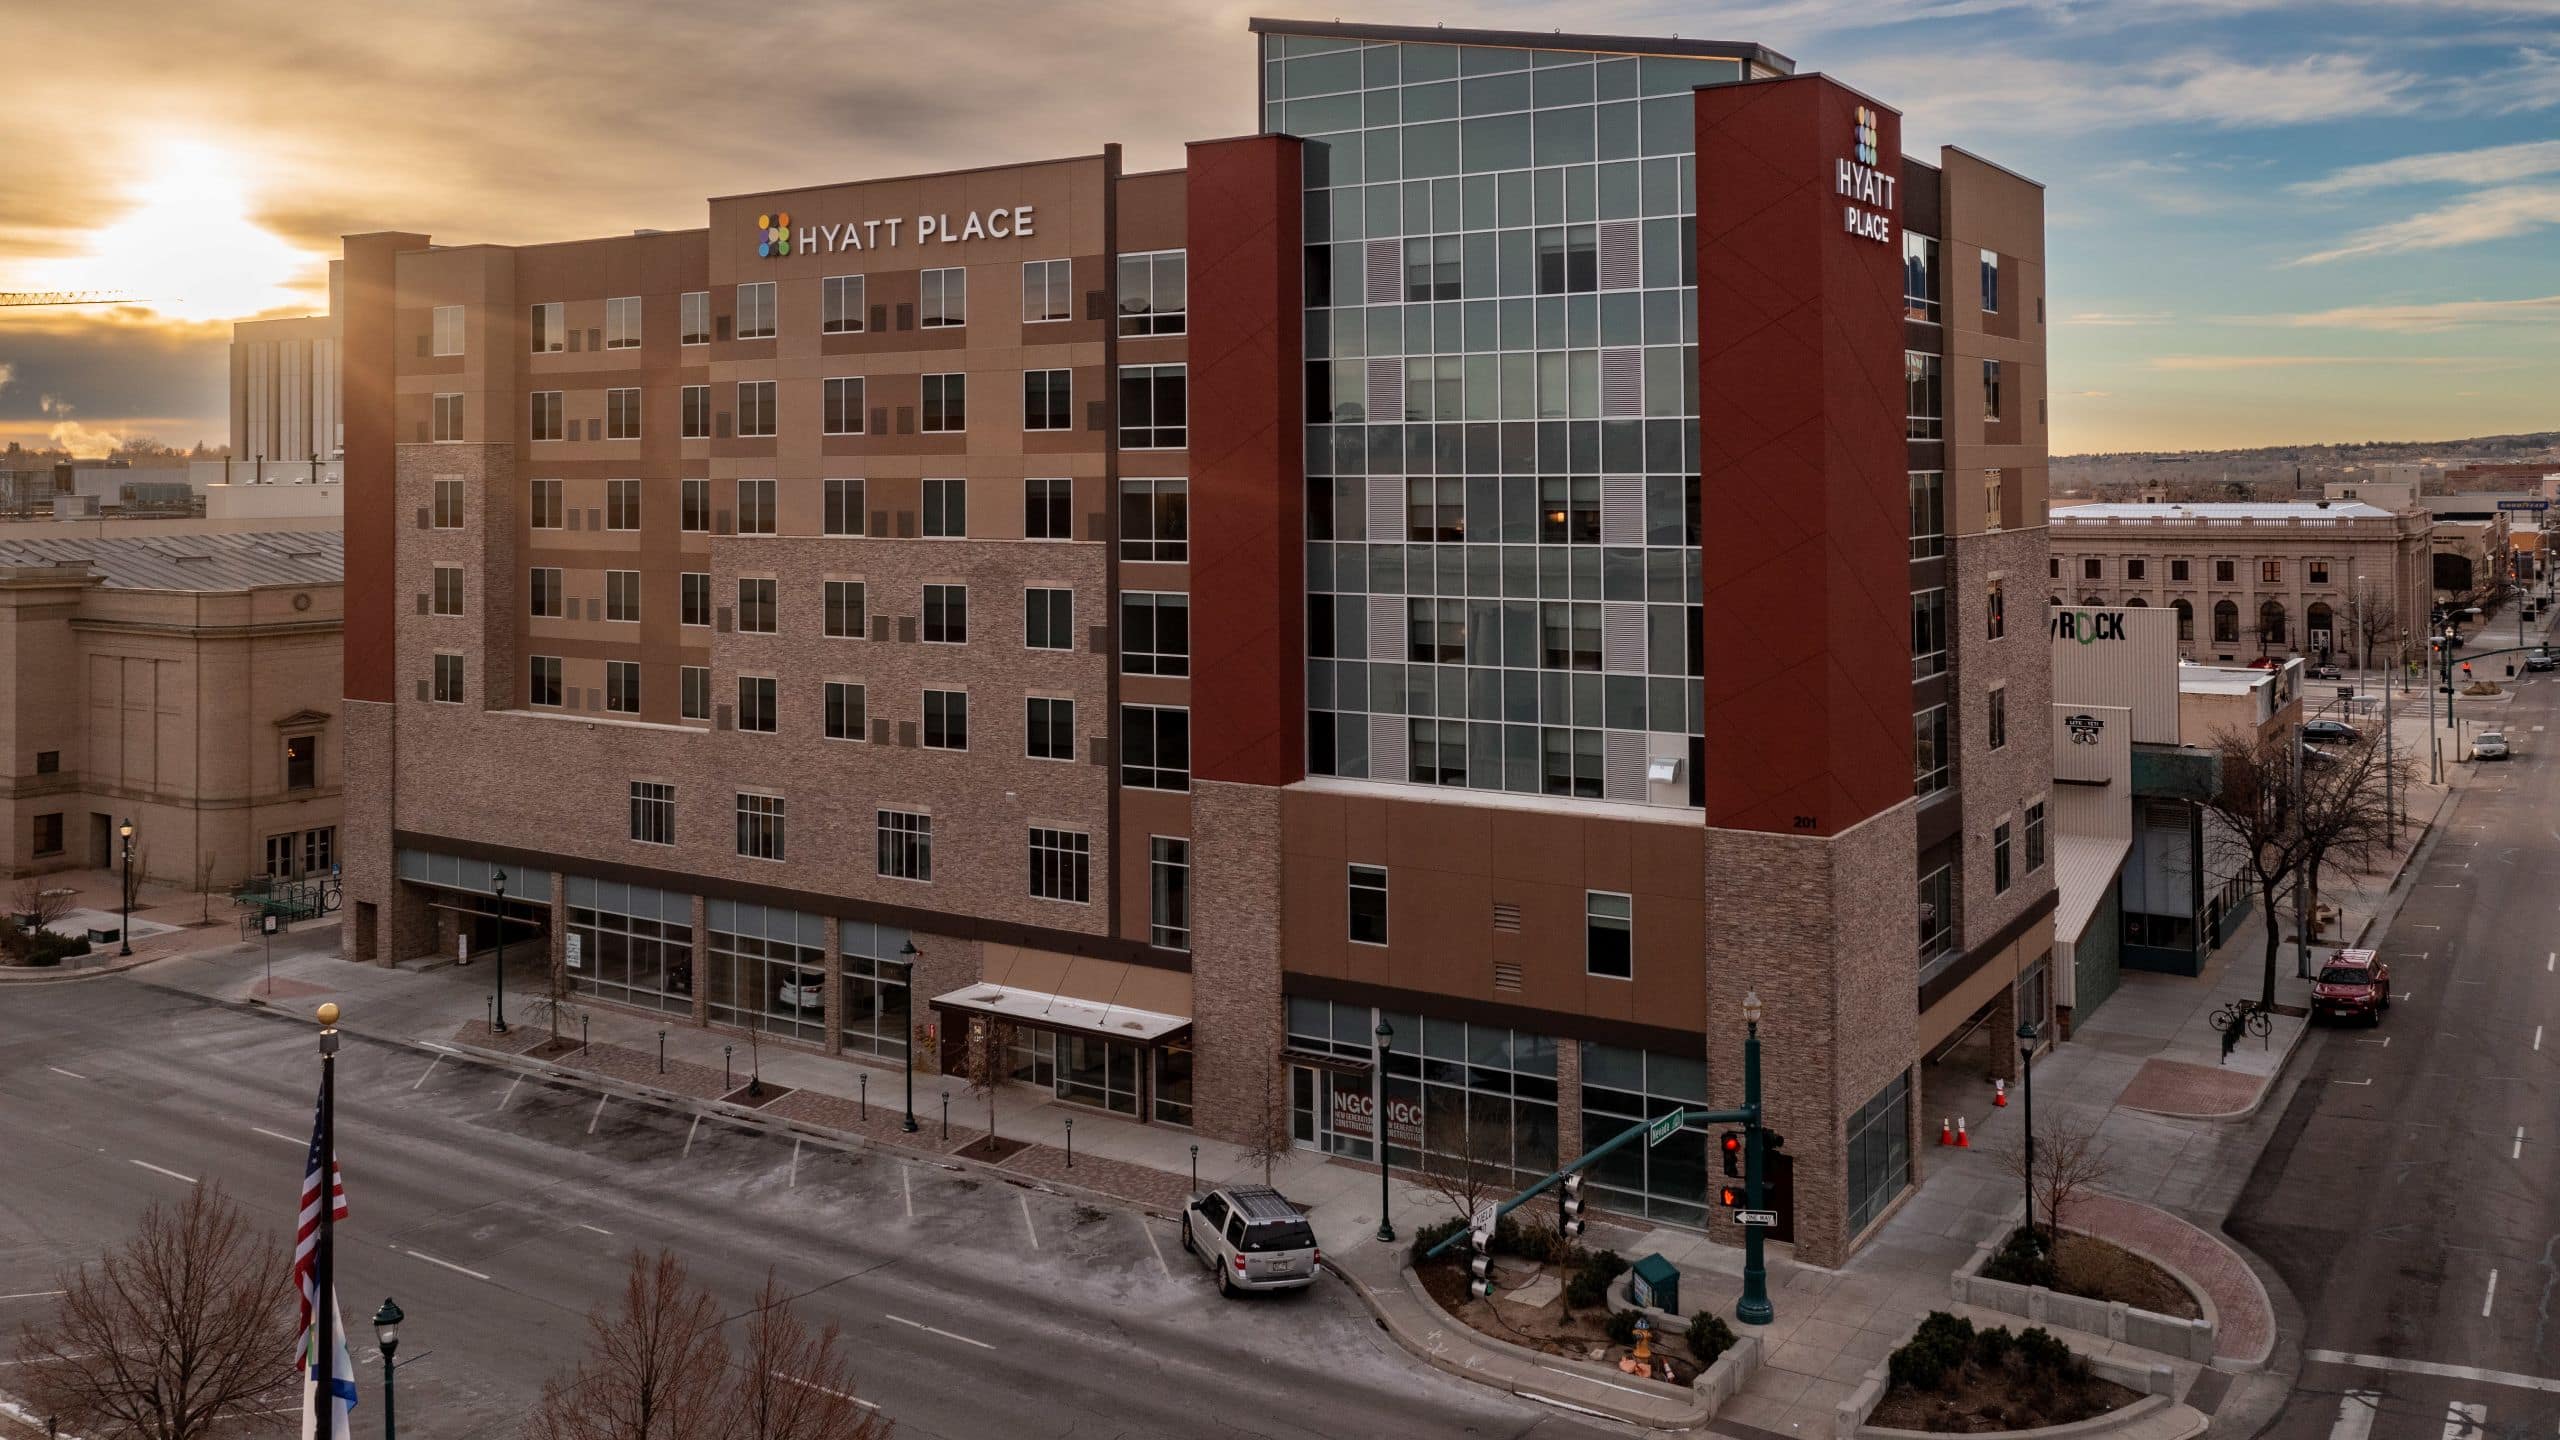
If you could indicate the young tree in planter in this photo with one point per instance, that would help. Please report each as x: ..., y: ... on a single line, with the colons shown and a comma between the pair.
x: 185, y: 1331
x: 986, y: 1066
x: 1270, y: 1138
x: 556, y: 1003
x: 1474, y: 1168
x: 2068, y: 1162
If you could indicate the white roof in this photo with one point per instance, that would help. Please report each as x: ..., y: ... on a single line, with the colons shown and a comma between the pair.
x: 2220, y: 680
x: 2222, y: 510
x: 1120, y: 1022
x: 2084, y: 870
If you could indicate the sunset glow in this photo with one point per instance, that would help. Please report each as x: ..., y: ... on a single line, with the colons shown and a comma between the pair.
x: 181, y: 240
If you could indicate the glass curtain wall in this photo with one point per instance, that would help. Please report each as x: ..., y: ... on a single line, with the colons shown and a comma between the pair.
x: 1459, y: 1096
x: 876, y: 1018
x: 635, y: 944
x: 1501, y: 385
x: 1622, y: 1087
x: 768, y: 969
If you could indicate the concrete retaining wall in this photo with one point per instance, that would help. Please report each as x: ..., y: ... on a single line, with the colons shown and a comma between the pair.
x: 2156, y: 1416
x: 2169, y: 1334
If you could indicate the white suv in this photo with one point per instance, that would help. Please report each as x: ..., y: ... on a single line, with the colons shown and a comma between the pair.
x: 1251, y: 1238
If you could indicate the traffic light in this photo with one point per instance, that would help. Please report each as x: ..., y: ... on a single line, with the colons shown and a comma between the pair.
x: 1480, y: 1264
x: 1729, y: 1196
x: 1569, y: 1208
x: 1732, y: 1143
x: 1771, y: 1142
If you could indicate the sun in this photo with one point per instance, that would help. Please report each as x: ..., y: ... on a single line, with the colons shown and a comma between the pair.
x: 185, y: 244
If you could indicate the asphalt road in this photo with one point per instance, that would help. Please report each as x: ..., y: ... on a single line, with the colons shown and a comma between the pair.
x: 498, y: 1212
x: 2411, y: 1194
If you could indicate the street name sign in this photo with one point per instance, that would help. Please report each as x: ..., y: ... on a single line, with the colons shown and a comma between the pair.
x: 1664, y: 1128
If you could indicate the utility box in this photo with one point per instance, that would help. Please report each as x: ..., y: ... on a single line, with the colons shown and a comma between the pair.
x: 1655, y: 1282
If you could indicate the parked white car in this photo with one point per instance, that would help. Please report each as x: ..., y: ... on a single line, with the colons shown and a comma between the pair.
x: 2489, y: 745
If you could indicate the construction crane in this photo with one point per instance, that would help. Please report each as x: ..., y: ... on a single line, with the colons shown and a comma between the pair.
x: 66, y: 297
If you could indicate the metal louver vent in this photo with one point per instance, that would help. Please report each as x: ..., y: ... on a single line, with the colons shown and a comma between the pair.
x: 1621, y: 254
x: 1506, y: 918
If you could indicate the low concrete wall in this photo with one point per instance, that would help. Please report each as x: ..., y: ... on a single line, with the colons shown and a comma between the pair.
x: 1719, y: 1382
x: 2169, y: 1334
x: 2156, y: 1415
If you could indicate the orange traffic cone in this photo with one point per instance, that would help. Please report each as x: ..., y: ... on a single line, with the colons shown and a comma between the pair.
x: 1963, y: 1141
x: 1999, y: 1094
x: 1946, y: 1131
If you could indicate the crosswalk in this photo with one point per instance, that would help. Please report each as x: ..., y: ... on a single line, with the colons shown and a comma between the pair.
x: 2359, y: 1410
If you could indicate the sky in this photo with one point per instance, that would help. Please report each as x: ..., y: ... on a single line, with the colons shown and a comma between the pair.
x: 2268, y: 221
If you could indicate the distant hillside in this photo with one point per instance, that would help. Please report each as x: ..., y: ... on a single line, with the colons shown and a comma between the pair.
x: 2281, y: 469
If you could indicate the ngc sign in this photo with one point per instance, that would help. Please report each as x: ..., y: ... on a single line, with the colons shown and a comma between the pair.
x: 1863, y: 185
x: 776, y: 236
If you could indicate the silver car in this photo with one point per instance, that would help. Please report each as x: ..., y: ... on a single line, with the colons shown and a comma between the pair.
x: 2489, y: 745
x: 1251, y: 1238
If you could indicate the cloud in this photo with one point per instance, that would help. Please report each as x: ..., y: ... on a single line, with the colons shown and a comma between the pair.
x: 2289, y: 362
x: 2119, y: 317
x: 2090, y: 394
x: 8, y: 373
x: 2042, y: 96
x: 2481, y: 216
x: 2492, y: 165
x: 2421, y: 319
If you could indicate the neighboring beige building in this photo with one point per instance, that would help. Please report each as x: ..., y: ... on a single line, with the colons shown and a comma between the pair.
x: 181, y: 676
x: 2252, y: 578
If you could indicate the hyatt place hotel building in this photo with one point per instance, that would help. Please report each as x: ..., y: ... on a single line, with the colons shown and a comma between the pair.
x: 1518, y: 548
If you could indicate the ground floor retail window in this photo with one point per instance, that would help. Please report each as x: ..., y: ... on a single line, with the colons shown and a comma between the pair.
x: 768, y: 969
x: 297, y: 853
x: 877, y: 1017
x: 1879, y: 1152
x: 1085, y: 1069
x: 1460, y: 1098
x: 1173, y: 1084
x: 2035, y: 992
x: 1622, y: 1088
x: 633, y: 944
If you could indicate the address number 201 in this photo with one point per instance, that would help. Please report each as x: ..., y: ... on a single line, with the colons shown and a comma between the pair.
x: 1807, y: 822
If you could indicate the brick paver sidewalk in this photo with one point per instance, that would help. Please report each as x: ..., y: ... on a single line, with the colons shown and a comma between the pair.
x: 2174, y: 1087
x: 2246, y: 1318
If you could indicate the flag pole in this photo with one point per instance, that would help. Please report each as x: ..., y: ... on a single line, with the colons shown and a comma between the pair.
x: 324, y: 1307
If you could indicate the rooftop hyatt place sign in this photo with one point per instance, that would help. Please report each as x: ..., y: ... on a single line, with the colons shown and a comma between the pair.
x: 777, y: 236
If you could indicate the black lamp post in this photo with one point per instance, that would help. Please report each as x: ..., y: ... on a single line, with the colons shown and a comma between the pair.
x: 1386, y: 1046
x: 909, y: 952
x: 498, y: 1025
x: 124, y: 932
x: 386, y: 1331
x: 2027, y: 1088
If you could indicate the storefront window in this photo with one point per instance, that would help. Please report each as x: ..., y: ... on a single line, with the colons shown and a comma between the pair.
x: 1459, y: 1096
x: 1879, y: 1153
x: 1173, y: 1085
x: 768, y: 970
x: 633, y: 944
x: 876, y: 990
x: 1622, y: 1088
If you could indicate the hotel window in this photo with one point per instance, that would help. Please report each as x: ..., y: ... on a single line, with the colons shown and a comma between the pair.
x: 2000, y: 858
x: 1436, y: 631
x: 1919, y: 277
x: 1431, y: 268
x: 448, y: 681
x: 1154, y: 407
x: 622, y: 595
x: 946, y: 509
x: 546, y: 595
x: 550, y: 328
x: 756, y: 311
x: 2178, y: 571
x: 693, y: 505
x: 622, y: 686
x: 1994, y: 495
x: 448, y: 330
x: 1061, y: 865
x: 1928, y: 633
x: 1049, y: 728
x: 841, y: 297
x: 448, y: 590
x: 1154, y: 293
x: 448, y: 504
x: 760, y: 820
x: 1990, y: 282
x: 542, y: 505
x: 1929, y: 773
x: 447, y: 410
x: 2223, y: 572
x: 1048, y: 291
x: 542, y: 681
x: 1048, y: 618
x: 693, y: 318
x: 622, y: 504
x: 1046, y: 507
x: 301, y: 762
x: 1990, y: 389
x: 946, y: 614
x: 1155, y: 633
x: 942, y: 298
x: 1937, y: 912
x: 697, y: 692
x: 946, y: 404
x: 1572, y: 760
x: 757, y: 707
x: 946, y: 719
x: 1168, y: 893
x: 1996, y: 608
x: 1928, y: 514
x: 847, y: 707
x: 1921, y: 405
x: 546, y: 415
x: 1155, y: 747
x: 2035, y: 837
x: 622, y: 323
x: 844, y: 609
x: 756, y: 606
x: 1367, y: 898
x: 1609, y: 935
x: 755, y: 408
x: 845, y: 499
x: 2319, y: 571
x: 1045, y: 402
x: 2270, y: 572
x: 1436, y: 752
x: 1996, y: 729
x: 906, y: 845
x: 696, y: 411
x: 755, y: 507
x: 1155, y: 519
x: 695, y: 588
x: 844, y: 405
x: 653, y: 813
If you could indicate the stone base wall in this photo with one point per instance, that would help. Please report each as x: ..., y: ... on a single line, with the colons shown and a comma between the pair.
x: 1235, y: 959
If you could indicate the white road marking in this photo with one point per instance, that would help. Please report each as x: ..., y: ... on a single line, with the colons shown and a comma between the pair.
x: 2356, y: 1409
x: 2333, y: 1082
x: 1567, y: 1404
x: 823, y: 1390
x: 688, y: 1154
x: 431, y: 1069
x: 2430, y: 885
x: 511, y: 1092
x: 2384, y: 1042
x: 1150, y: 1232
x: 1028, y: 1227
x: 456, y: 1269
x: 75, y: 1075
x: 2537, y: 1044
x: 449, y: 1050
x: 907, y: 1182
x: 2515, y: 1154
x: 2548, y: 962
x: 1594, y: 1379
x: 2463, y: 1420
x: 793, y: 1184
x: 2486, y: 1300
x: 591, y: 1129
x: 49, y: 1294
x: 289, y: 1140
x: 172, y: 1174
x: 931, y: 1330
x: 583, y: 1225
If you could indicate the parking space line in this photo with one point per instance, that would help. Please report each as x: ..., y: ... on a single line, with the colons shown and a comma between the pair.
x: 158, y: 1170
x: 431, y: 1069
x: 75, y: 1075
x: 49, y: 1294
x: 932, y: 1330
x: 599, y: 1115
x: 289, y: 1140
x: 2515, y: 1154
x: 1150, y: 1232
x: 583, y: 1225
x: 447, y: 1264
x: 502, y: 1104
x: 907, y: 1182
x: 793, y: 1184
x: 2537, y: 1044
x: 688, y: 1148
x: 449, y: 1050
x: 2487, y: 1300
x: 823, y: 1390
x: 1028, y: 1227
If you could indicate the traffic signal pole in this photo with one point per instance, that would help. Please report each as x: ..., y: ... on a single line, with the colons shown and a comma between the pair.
x: 1754, y: 1307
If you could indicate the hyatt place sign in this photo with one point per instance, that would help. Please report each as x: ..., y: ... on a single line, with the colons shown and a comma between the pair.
x: 777, y: 236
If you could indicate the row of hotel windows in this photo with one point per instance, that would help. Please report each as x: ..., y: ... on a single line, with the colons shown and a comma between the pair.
x: 1920, y: 278
x: 1937, y: 888
x: 1924, y: 394
x: 1154, y: 300
x: 2225, y: 572
x: 1155, y: 410
x: 1929, y: 509
x: 1608, y: 922
x: 1155, y: 512
x: 1059, y: 862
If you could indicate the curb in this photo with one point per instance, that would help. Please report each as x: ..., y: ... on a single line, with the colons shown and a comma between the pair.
x: 57, y: 975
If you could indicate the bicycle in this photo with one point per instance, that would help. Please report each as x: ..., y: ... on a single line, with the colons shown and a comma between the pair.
x: 2245, y: 1015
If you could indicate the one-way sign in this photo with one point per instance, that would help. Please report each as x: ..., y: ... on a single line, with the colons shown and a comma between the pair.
x: 1755, y: 1217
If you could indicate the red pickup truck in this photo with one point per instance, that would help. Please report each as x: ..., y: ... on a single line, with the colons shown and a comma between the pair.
x: 2352, y: 983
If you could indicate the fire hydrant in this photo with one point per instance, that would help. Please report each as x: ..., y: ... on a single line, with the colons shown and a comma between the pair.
x: 1641, y: 1362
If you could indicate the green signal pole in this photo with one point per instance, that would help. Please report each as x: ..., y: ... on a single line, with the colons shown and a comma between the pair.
x: 1754, y: 1308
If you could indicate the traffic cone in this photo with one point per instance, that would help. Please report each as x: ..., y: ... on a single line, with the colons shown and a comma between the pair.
x: 1999, y: 1094
x: 1963, y: 1141
x: 1946, y: 1131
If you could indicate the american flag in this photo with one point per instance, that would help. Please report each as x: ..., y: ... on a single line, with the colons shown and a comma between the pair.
x: 306, y: 1234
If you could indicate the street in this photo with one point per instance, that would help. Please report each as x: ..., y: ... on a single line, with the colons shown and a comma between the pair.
x: 499, y: 1210
x: 2410, y: 1195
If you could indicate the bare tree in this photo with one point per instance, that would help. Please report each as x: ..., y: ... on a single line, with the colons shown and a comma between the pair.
x: 795, y: 1384
x: 2346, y: 812
x: 557, y: 1002
x: 1270, y: 1137
x: 37, y: 907
x: 185, y: 1329
x: 2067, y: 1163
x: 2275, y: 837
x: 656, y: 1367
x: 2372, y: 619
x: 987, y: 1065
x: 1474, y: 1167
x: 204, y: 886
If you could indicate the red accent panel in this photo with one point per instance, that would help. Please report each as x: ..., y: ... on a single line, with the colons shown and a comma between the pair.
x: 368, y: 367
x: 1248, y: 524
x: 1805, y: 498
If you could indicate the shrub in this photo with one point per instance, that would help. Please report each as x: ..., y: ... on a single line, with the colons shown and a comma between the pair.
x: 1709, y: 1336
x: 1622, y: 1327
x: 2026, y: 1258
x: 1589, y: 1284
x: 1939, y: 1346
x: 1426, y: 1236
x: 2045, y: 1358
x: 1992, y: 1346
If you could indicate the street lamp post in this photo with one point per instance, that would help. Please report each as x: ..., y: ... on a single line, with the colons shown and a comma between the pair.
x: 386, y: 1331
x: 124, y: 932
x: 2027, y: 1088
x: 1386, y: 1046
x: 909, y: 952
x: 1754, y: 1307
x: 498, y: 1024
